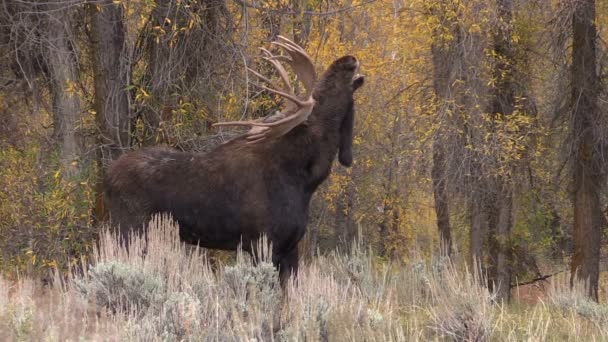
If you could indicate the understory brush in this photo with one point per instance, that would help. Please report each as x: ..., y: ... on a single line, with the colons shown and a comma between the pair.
x: 164, y: 290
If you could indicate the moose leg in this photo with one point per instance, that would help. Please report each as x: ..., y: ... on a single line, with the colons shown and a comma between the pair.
x: 122, y: 223
x: 127, y: 217
x: 288, y: 265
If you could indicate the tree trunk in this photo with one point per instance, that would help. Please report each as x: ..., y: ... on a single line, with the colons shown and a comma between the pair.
x: 164, y: 69
x: 312, y: 242
x: 63, y: 70
x: 387, y: 209
x: 503, y: 251
x: 389, y: 226
x: 440, y: 192
x: 345, y: 227
x: 187, y: 49
x: 479, y: 222
x: 302, y: 22
x: 443, y: 78
x: 587, y: 168
x: 502, y: 105
x: 111, y: 78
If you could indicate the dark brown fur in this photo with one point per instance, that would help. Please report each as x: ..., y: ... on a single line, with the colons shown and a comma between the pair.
x: 237, y: 192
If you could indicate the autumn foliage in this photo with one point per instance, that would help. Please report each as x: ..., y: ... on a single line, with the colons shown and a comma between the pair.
x: 465, y: 123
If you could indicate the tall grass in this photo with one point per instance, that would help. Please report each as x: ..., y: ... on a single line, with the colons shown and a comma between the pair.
x: 164, y: 290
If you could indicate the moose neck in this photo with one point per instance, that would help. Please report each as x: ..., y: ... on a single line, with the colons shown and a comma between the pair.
x: 324, y: 134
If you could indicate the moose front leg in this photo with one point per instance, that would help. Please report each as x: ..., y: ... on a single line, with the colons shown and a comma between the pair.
x: 288, y: 265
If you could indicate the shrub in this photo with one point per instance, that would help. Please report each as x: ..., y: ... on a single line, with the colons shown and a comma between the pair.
x: 120, y: 286
x: 180, y: 316
x: 174, y: 295
x: 45, y: 217
x: 21, y: 320
x: 247, y: 281
x: 463, y: 308
x: 573, y: 299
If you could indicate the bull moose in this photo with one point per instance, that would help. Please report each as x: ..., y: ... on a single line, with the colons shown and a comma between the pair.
x: 258, y: 183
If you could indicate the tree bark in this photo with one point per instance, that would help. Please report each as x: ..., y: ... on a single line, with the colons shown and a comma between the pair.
x: 345, y: 226
x: 503, y: 251
x: 111, y: 72
x: 503, y: 105
x: 63, y: 70
x: 440, y: 193
x: 111, y: 78
x: 187, y: 48
x: 164, y: 69
x: 389, y: 226
x: 443, y: 77
x: 302, y: 22
x: 477, y: 231
x: 318, y: 211
x: 587, y: 170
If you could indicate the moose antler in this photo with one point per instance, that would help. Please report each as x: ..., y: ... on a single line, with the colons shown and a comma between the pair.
x: 297, y: 109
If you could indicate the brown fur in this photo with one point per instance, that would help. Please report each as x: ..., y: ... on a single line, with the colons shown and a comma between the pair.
x: 239, y: 191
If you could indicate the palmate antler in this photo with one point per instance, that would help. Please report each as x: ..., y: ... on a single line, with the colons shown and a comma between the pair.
x: 297, y: 109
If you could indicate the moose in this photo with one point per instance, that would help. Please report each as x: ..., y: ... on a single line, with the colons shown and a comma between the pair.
x: 259, y: 183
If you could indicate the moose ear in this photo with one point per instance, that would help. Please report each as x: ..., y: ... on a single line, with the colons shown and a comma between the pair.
x: 345, y: 155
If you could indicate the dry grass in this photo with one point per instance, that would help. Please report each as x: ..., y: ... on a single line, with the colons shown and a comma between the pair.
x: 171, y: 293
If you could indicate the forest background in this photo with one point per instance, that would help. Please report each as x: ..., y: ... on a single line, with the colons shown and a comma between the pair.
x: 481, y: 130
